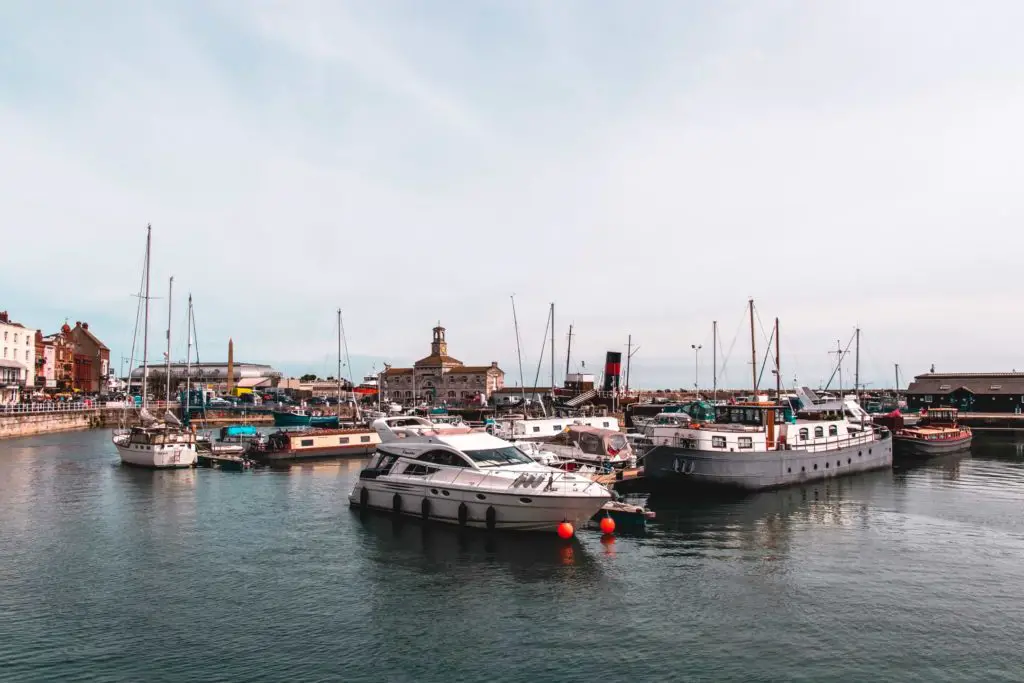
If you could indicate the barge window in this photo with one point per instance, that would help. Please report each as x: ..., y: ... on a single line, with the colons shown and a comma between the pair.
x: 364, y: 439
x: 718, y: 442
x: 833, y: 430
x: 746, y: 442
x: 343, y: 439
x: 819, y: 432
x: 495, y: 457
x: 803, y: 433
x: 536, y: 429
x: 306, y: 442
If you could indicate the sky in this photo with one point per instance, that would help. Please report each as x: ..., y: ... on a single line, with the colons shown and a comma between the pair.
x: 648, y: 167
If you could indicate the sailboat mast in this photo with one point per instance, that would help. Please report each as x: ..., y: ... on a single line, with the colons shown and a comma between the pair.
x: 519, y: 350
x: 778, y: 367
x: 145, y: 327
x: 339, y: 361
x: 188, y: 362
x: 856, y: 368
x: 629, y: 355
x: 552, y: 353
x: 753, y: 350
x: 167, y: 376
x: 568, y: 351
x: 714, y: 360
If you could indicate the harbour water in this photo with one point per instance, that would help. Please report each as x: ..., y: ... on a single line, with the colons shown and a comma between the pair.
x: 114, y: 574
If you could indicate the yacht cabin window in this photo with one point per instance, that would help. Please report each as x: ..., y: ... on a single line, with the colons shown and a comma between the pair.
x: 718, y: 442
x: 819, y: 432
x: 443, y: 458
x: 803, y: 434
x: 745, y: 442
x: 497, y: 457
x: 833, y: 430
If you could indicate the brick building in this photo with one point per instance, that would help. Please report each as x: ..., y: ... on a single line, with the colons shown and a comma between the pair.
x: 90, y: 360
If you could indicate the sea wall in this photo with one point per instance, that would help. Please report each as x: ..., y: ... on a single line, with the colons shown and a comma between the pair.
x: 28, y: 425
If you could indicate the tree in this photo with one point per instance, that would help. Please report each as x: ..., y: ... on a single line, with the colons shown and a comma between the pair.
x: 308, y: 378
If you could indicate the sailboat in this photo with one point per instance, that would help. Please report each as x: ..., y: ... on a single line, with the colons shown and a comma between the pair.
x: 156, y: 443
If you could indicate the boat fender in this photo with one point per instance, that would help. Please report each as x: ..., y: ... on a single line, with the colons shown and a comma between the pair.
x: 396, y: 503
x: 463, y: 514
x: 364, y: 498
x: 425, y: 509
x: 492, y: 518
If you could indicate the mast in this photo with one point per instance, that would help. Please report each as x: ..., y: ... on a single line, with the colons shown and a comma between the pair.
x: 753, y: 350
x: 778, y: 368
x: 714, y: 360
x: 519, y: 350
x: 629, y: 354
x: 839, y: 366
x: 188, y: 362
x: 552, y: 354
x: 568, y: 350
x: 167, y: 377
x: 339, y: 361
x: 856, y: 368
x: 897, y: 383
x: 145, y: 328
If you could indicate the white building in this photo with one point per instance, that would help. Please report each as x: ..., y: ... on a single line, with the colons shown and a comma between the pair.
x: 18, y: 359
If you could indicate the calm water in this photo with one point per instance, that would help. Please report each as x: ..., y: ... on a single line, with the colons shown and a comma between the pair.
x: 114, y: 574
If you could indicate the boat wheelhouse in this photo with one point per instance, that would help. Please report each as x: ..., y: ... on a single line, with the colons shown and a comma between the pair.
x: 545, y: 429
x: 765, y: 445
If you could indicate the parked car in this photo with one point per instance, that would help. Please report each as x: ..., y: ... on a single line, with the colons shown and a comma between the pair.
x: 218, y: 402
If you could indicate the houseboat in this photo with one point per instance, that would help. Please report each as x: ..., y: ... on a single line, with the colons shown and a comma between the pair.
x: 545, y: 429
x: 755, y: 446
x: 936, y: 433
x: 316, y: 443
x: 300, y: 417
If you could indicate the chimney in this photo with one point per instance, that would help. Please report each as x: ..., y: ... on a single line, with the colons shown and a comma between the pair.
x: 78, y: 323
x: 85, y: 326
x: 3, y: 317
x: 612, y: 368
x: 231, y: 365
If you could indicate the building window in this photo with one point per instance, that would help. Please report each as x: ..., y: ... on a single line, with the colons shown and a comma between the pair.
x: 833, y: 430
x: 746, y: 442
x: 15, y: 337
x: 718, y: 442
x: 5, y: 352
x: 927, y: 398
x: 819, y: 432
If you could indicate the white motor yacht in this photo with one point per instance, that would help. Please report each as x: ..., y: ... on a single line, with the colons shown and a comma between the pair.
x: 470, y: 478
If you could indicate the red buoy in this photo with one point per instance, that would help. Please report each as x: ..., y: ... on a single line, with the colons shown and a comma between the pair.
x: 565, y: 530
x: 607, y: 525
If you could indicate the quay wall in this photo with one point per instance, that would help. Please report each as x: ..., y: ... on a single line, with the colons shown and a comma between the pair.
x: 12, y: 426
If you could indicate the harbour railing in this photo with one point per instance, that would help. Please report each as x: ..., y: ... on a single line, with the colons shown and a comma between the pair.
x: 820, y: 444
x: 86, y: 406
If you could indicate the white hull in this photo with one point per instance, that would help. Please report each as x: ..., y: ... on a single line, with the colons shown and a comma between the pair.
x: 167, y: 456
x: 541, y: 513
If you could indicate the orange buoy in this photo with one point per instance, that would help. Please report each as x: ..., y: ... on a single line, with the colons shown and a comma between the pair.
x: 607, y: 525
x: 565, y: 530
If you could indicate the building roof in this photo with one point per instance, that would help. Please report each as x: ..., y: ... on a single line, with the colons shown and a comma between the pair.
x: 467, y: 369
x: 988, y: 383
x: 520, y: 390
x: 437, y: 359
x: 84, y: 329
x: 397, y: 371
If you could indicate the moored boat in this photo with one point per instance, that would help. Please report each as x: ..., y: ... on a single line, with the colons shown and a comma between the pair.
x: 156, y: 444
x: 936, y: 433
x: 303, y: 418
x: 315, y: 443
x: 471, y: 478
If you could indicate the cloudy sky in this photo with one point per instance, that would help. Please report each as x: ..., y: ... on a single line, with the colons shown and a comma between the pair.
x: 646, y: 166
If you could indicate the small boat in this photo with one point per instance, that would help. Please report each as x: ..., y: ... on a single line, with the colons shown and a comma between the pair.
x: 544, y: 429
x: 471, y: 478
x: 936, y: 433
x: 303, y: 418
x: 315, y: 443
x: 628, y: 518
x: 157, y: 445
x: 602, y: 448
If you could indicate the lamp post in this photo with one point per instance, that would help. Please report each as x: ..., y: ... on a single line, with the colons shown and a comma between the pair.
x: 696, y: 367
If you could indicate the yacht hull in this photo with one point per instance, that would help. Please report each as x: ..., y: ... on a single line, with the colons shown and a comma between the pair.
x: 755, y: 471
x: 172, y: 456
x: 511, y: 510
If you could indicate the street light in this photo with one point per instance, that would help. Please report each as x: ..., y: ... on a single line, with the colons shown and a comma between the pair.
x: 696, y: 366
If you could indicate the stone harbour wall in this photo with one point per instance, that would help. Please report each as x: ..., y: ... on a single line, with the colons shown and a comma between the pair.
x: 12, y: 426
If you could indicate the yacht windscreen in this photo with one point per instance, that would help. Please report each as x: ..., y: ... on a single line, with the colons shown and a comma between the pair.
x: 495, y: 457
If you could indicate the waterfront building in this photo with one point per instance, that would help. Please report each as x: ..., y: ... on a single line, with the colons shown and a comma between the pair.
x: 90, y: 359
x: 17, y: 364
x: 58, y: 360
x: 213, y: 376
x: 440, y: 378
x: 982, y: 392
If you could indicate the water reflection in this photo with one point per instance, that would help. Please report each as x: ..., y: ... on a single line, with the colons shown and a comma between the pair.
x: 432, y: 547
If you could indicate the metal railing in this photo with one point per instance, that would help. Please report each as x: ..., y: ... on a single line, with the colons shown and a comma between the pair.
x: 829, y: 444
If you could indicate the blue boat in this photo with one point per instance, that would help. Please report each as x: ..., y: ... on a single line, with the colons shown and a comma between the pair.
x: 301, y: 418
